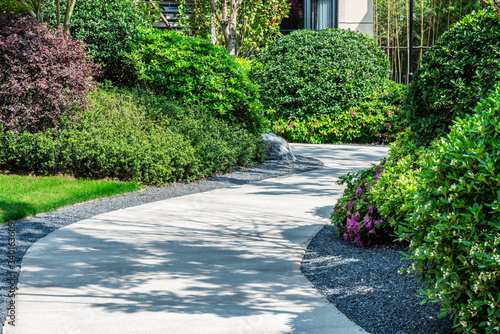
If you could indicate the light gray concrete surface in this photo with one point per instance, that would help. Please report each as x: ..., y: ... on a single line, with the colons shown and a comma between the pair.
x: 224, y: 261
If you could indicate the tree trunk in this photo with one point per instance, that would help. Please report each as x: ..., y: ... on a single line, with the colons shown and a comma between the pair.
x: 228, y: 20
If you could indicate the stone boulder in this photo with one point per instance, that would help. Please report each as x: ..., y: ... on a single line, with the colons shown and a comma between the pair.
x: 277, y: 148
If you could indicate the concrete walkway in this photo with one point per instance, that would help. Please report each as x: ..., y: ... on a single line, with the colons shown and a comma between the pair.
x: 225, y: 261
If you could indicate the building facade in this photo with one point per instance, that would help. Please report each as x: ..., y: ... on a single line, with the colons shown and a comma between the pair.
x: 312, y: 14
x: 322, y: 14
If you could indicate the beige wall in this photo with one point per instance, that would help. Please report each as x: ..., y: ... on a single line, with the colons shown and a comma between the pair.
x: 357, y: 15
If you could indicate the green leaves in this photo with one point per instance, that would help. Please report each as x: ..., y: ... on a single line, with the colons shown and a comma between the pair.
x: 376, y: 120
x: 106, y: 27
x: 459, y: 70
x: 453, y: 231
x: 195, y: 72
x: 134, y: 135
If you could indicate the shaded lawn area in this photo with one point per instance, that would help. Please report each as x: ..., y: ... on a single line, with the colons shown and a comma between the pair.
x: 22, y: 196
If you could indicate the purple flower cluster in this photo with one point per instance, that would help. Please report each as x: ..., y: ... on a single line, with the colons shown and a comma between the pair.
x: 356, y: 219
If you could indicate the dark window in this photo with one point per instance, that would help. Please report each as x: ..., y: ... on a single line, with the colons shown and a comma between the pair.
x: 312, y: 14
x: 295, y: 19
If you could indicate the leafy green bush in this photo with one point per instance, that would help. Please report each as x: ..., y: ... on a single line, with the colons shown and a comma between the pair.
x: 376, y: 120
x: 197, y: 73
x: 114, y: 139
x: 398, y: 182
x: 313, y: 73
x: 131, y: 136
x: 106, y: 27
x: 454, y: 230
x: 356, y: 219
x: 218, y: 146
x: 460, y: 68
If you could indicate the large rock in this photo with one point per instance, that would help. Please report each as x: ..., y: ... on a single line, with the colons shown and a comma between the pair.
x: 277, y: 148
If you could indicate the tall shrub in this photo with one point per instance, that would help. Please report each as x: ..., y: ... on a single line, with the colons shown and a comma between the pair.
x: 454, y: 230
x: 44, y: 75
x: 460, y: 69
x: 106, y: 27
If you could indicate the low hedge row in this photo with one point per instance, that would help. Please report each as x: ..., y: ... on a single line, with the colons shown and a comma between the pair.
x: 121, y: 137
x: 377, y: 120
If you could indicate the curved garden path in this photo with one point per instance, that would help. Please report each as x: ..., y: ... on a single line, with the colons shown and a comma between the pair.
x: 224, y: 261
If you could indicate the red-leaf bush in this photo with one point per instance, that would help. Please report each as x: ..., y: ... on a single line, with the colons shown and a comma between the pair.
x: 44, y: 75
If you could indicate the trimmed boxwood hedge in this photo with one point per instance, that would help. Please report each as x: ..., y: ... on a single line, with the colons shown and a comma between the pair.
x: 133, y: 135
x: 313, y: 73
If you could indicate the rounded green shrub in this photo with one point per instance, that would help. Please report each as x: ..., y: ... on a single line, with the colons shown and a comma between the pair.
x: 313, y: 73
x: 106, y: 27
x: 454, y: 230
x: 460, y: 69
x: 195, y: 72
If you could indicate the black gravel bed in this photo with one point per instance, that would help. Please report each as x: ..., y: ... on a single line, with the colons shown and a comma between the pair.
x: 366, y: 286
x: 31, y: 229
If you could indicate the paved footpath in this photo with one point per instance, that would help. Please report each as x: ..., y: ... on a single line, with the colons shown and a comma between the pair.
x: 224, y: 261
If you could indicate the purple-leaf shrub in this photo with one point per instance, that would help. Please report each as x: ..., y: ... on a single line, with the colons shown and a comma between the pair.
x: 356, y: 218
x: 44, y: 75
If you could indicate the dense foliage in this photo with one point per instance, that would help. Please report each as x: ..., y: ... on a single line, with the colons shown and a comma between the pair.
x: 434, y: 81
x: 113, y: 139
x: 454, y: 229
x: 376, y: 120
x: 131, y: 136
x: 44, y: 75
x: 193, y: 71
x: 13, y: 6
x: 439, y: 188
x: 218, y: 146
x: 398, y: 182
x: 106, y: 27
x: 461, y: 68
x: 314, y: 73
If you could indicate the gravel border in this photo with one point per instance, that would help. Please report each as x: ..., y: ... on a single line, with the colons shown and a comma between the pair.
x: 31, y: 229
x: 364, y: 284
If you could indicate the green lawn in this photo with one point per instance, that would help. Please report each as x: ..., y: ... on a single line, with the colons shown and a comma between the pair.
x: 22, y: 196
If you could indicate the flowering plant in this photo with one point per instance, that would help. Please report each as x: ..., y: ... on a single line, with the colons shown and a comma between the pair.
x: 354, y: 215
